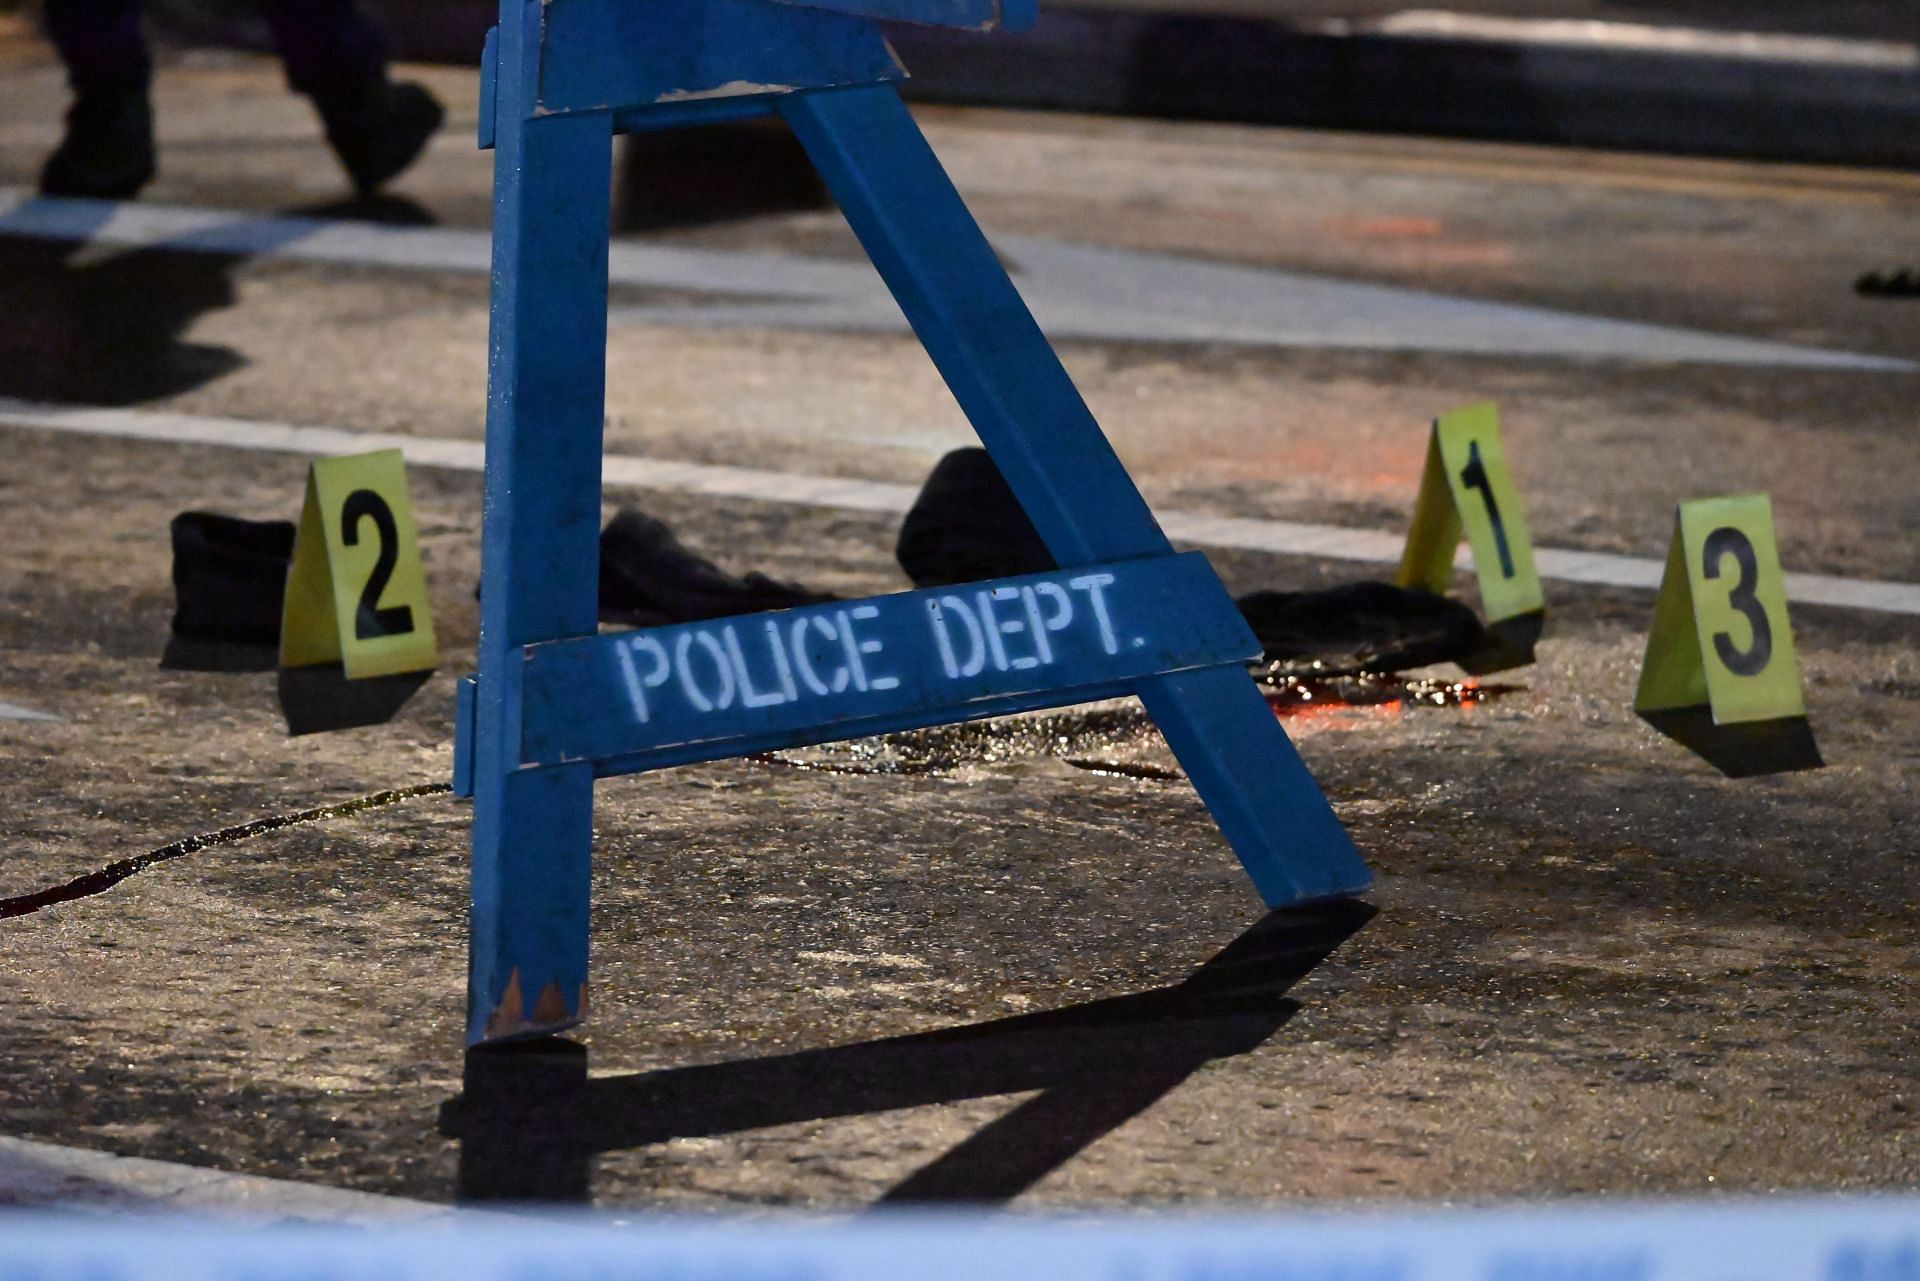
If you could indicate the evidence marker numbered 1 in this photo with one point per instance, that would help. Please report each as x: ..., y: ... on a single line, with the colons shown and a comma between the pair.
x: 1467, y: 487
x: 357, y: 594
x: 1720, y: 635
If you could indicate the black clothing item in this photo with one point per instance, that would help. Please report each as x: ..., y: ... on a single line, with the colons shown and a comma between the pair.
x: 329, y: 47
x: 1375, y: 627
x: 229, y: 578
x: 966, y: 525
x: 1901, y: 282
x: 379, y: 133
x: 107, y: 153
x: 333, y: 54
x: 648, y: 578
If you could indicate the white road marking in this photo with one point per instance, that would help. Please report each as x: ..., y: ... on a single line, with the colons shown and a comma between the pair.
x: 1642, y: 38
x: 15, y: 712
x: 1292, y: 538
x: 1797, y: 1237
x: 76, y: 1182
x: 1079, y: 292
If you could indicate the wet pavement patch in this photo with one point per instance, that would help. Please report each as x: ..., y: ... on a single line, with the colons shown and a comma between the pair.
x: 1072, y: 736
x: 1357, y: 696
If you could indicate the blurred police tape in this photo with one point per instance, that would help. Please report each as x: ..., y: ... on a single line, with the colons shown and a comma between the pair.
x: 1875, y: 1238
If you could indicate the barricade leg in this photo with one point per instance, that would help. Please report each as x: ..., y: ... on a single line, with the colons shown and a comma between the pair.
x: 1032, y: 419
x: 533, y: 829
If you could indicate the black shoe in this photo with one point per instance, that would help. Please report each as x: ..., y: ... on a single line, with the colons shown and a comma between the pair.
x: 108, y: 151
x: 378, y: 133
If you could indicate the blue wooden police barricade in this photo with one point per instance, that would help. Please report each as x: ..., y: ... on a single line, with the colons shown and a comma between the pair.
x: 556, y: 706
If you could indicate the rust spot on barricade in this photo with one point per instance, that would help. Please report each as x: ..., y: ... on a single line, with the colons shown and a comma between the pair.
x: 510, y: 1017
x: 551, y: 1009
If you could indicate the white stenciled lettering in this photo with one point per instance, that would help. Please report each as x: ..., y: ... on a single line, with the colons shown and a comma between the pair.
x: 780, y: 662
x: 803, y: 656
x: 983, y: 604
x: 1014, y: 627
x: 1092, y: 584
x: 749, y: 696
x: 980, y: 633
x: 953, y: 608
x: 1042, y: 647
x: 1063, y: 605
x: 1042, y: 624
x: 637, y: 684
x: 722, y: 698
x: 856, y: 648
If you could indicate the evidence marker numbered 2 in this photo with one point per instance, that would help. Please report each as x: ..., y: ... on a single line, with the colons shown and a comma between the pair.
x: 951, y: 653
x: 357, y: 592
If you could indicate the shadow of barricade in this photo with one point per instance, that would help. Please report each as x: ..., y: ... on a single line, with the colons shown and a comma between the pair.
x: 529, y: 1120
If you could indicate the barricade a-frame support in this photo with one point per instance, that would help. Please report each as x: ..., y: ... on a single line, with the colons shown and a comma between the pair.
x: 555, y: 706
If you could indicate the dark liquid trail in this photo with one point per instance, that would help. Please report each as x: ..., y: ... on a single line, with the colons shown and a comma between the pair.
x: 1072, y: 737
x: 114, y: 873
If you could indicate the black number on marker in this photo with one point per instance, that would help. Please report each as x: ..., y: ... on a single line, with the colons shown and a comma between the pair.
x: 1751, y: 661
x: 1474, y: 476
x: 371, y: 621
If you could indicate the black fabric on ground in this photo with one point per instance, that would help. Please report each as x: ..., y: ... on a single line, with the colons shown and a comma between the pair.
x: 229, y: 578
x: 1903, y: 282
x: 966, y: 526
x: 1374, y: 627
x: 647, y: 578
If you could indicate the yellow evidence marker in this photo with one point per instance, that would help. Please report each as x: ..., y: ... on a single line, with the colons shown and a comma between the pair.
x: 1720, y: 634
x: 356, y: 593
x: 1466, y: 486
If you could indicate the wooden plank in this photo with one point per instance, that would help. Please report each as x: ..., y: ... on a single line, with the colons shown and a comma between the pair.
x: 613, y: 55
x: 871, y: 666
x: 532, y: 835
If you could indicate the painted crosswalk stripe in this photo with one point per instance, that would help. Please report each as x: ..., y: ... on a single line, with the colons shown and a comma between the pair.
x: 1291, y: 538
x: 1078, y: 292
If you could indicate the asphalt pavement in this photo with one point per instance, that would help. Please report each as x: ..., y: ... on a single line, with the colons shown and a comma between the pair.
x: 1594, y: 964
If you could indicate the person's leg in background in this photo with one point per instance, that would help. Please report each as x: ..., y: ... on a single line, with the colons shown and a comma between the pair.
x: 108, y: 148
x: 337, y: 57
x: 333, y: 54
